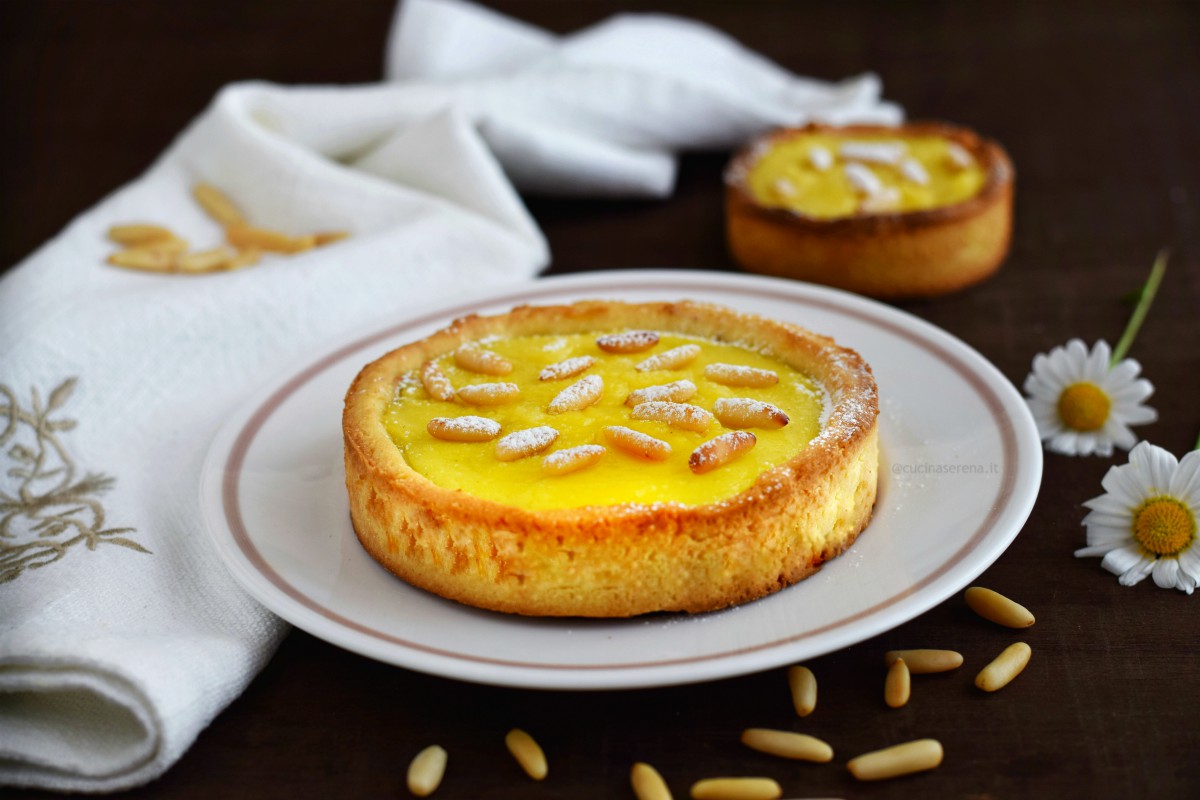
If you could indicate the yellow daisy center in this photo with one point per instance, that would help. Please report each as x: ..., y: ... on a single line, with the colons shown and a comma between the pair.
x: 1164, y: 526
x: 1083, y: 406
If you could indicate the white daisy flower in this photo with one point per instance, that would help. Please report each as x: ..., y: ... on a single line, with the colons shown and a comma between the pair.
x: 1082, y: 403
x: 1145, y: 524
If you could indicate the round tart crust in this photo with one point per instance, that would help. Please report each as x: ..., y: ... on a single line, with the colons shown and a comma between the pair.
x: 618, y: 561
x: 887, y: 255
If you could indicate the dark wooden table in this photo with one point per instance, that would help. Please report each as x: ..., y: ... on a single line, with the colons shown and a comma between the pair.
x: 1099, y: 106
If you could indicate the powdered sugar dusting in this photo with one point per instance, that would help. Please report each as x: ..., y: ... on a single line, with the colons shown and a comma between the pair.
x: 578, y: 395
x: 525, y: 443
x: 627, y: 342
x: 675, y: 358
x: 738, y: 375
x: 678, y: 415
x: 676, y: 391
x: 745, y: 412
x: 566, y: 369
x: 463, y: 429
x: 572, y: 459
x: 720, y: 451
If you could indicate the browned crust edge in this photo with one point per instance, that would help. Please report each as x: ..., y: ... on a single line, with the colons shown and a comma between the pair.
x: 891, y: 255
x: 627, y: 560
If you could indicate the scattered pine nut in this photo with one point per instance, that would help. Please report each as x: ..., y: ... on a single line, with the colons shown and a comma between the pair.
x: 997, y: 608
x: 463, y: 429
x: 474, y: 358
x: 147, y: 259
x: 647, y: 783
x: 426, y: 770
x: 322, y: 238
x: 736, y: 375
x: 243, y: 236
x: 637, y: 443
x: 138, y: 234
x: 675, y: 358
x: 566, y: 369
x: 578, y: 396
x: 785, y: 744
x: 922, y: 662
x: 677, y: 415
x: 1006, y: 666
x: 720, y: 451
x: 803, y: 685
x: 674, y: 392
x: 627, y: 342
x: 527, y: 752
x: 901, y: 759
x: 736, y: 789
x: 246, y: 257
x: 898, y: 686
x: 525, y: 443
x: 436, y: 384
x: 572, y: 459
x: 489, y: 394
x: 742, y: 412
x: 218, y: 205
x: 206, y: 260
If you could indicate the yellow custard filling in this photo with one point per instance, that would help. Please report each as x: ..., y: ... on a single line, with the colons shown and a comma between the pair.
x: 617, y: 477
x: 821, y: 175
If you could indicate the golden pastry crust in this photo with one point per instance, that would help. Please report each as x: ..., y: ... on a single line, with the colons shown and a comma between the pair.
x: 617, y: 561
x: 887, y: 255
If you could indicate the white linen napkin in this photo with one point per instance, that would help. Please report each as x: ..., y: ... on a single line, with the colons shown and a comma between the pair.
x: 121, y: 634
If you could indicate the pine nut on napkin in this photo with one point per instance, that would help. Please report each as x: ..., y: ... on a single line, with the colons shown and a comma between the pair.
x: 121, y: 634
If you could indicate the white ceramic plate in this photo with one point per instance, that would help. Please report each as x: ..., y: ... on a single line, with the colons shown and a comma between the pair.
x: 960, y: 468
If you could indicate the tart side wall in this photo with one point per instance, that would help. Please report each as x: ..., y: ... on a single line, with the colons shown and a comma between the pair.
x: 896, y: 262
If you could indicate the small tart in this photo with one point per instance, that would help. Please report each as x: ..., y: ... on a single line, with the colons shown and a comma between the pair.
x: 617, y: 533
x: 918, y: 210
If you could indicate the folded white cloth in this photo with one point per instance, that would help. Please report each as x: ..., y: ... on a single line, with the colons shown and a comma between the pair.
x: 121, y: 634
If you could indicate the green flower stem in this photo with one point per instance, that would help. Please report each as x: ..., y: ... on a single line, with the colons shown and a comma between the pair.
x: 1143, y: 307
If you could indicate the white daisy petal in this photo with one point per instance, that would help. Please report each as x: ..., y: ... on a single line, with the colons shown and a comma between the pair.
x: 1099, y: 534
x: 1064, y: 443
x: 1189, y: 563
x: 1122, y: 559
x: 1137, y: 574
x: 1185, y: 582
x: 1134, y: 392
x: 1076, y: 353
x: 1048, y: 422
x: 1048, y: 371
x: 1165, y: 571
x: 1137, y: 415
x: 1045, y: 395
x: 1185, y: 483
x: 1110, y: 504
x: 1097, y: 363
x: 1124, y: 372
x: 1102, y: 447
x: 1121, y: 482
x: 1160, y: 466
x: 1119, y: 433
